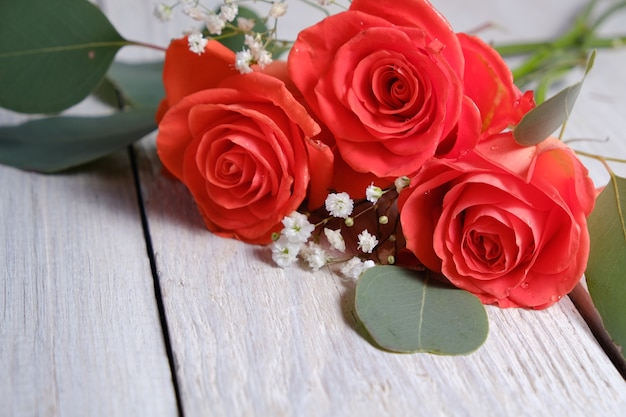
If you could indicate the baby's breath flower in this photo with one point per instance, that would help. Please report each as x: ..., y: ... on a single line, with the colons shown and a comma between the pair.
x: 383, y: 220
x: 335, y: 239
x: 339, y: 205
x: 253, y: 43
x: 373, y: 193
x: 243, y: 60
x: 355, y: 267
x: 194, y: 13
x: 284, y: 253
x: 297, y: 227
x: 314, y: 255
x: 163, y: 12
x: 228, y: 11
x: 245, y: 25
x: 401, y: 183
x: 367, y: 241
x: 263, y: 58
x: 279, y: 8
x: 368, y: 264
x: 214, y: 24
x: 196, y: 43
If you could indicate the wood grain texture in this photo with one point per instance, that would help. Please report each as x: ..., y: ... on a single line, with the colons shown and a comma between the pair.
x: 252, y: 339
x: 80, y: 332
x: 79, y: 327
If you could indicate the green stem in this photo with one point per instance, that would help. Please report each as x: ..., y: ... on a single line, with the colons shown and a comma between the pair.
x: 600, y: 158
x: 517, y: 49
x: 147, y: 45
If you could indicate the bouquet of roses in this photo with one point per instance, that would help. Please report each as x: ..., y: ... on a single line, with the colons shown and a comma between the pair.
x: 384, y: 143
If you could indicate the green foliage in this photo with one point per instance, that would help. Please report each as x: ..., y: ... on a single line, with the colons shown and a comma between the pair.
x: 407, y: 311
x: 234, y: 40
x: 53, y: 53
x: 140, y: 84
x: 606, y: 268
x: 57, y: 143
x: 543, y: 120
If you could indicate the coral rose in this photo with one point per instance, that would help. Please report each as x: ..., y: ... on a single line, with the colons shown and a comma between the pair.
x: 396, y: 86
x: 389, y: 93
x: 505, y: 222
x: 240, y: 143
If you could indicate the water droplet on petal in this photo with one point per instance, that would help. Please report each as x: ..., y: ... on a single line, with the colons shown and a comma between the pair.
x: 524, y: 285
x: 494, y: 147
x: 436, y: 45
x: 555, y: 298
x: 426, y: 192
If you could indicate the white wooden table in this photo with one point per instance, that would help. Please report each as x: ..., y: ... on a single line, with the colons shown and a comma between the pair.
x: 87, y: 291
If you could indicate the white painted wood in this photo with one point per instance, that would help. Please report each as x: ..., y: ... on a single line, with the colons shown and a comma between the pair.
x: 251, y: 339
x: 80, y: 332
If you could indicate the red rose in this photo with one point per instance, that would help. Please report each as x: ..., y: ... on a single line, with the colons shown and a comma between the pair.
x: 505, y: 222
x: 386, y: 78
x: 488, y: 82
x: 395, y: 85
x: 240, y: 143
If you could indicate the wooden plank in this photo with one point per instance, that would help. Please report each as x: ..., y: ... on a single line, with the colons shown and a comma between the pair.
x: 252, y: 339
x: 80, y: 330
x: 81, y: 334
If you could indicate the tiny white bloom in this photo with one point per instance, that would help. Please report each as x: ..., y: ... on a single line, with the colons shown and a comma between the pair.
x: 297, y: 227
x: 373, y: 193
x: 196, y: 43
x: 245, y: 25
x: 335, y: 239
x: 353, y: 268
x: 253, y: 43
x: 368, y: 264
x: 194, y: 13
x: 367, y: 241
x: 314, y: 255
x: 339, y: 205
x: 263, y: 58
x: 214, y: 24
x: 279, y: 8
x: 243, y: 60
x: 229, y: 11
x: 285, y: 253
x: 401, y: 183
x: 163, y: 12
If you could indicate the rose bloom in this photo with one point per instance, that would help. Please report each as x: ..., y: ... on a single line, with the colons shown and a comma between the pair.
x: 240, y: 143
x: 505, y: 222
x: 395, y: 85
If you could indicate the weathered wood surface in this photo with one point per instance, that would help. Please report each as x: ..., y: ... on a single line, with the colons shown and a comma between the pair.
x: 80, y: 330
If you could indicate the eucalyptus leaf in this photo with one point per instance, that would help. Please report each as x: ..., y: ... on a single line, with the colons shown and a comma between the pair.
x: 53, y: 53
x: 57, y: 143
x: 545, y: 119
x: 606, y: 267
x: 408, y: 311
x: 140, y: 84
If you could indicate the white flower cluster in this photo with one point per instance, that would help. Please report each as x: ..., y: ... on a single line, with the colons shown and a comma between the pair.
x: 254, y: 51
x: 294, y: 242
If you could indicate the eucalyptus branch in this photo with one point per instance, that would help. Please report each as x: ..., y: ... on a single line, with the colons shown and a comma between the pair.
x: 601, y: 158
